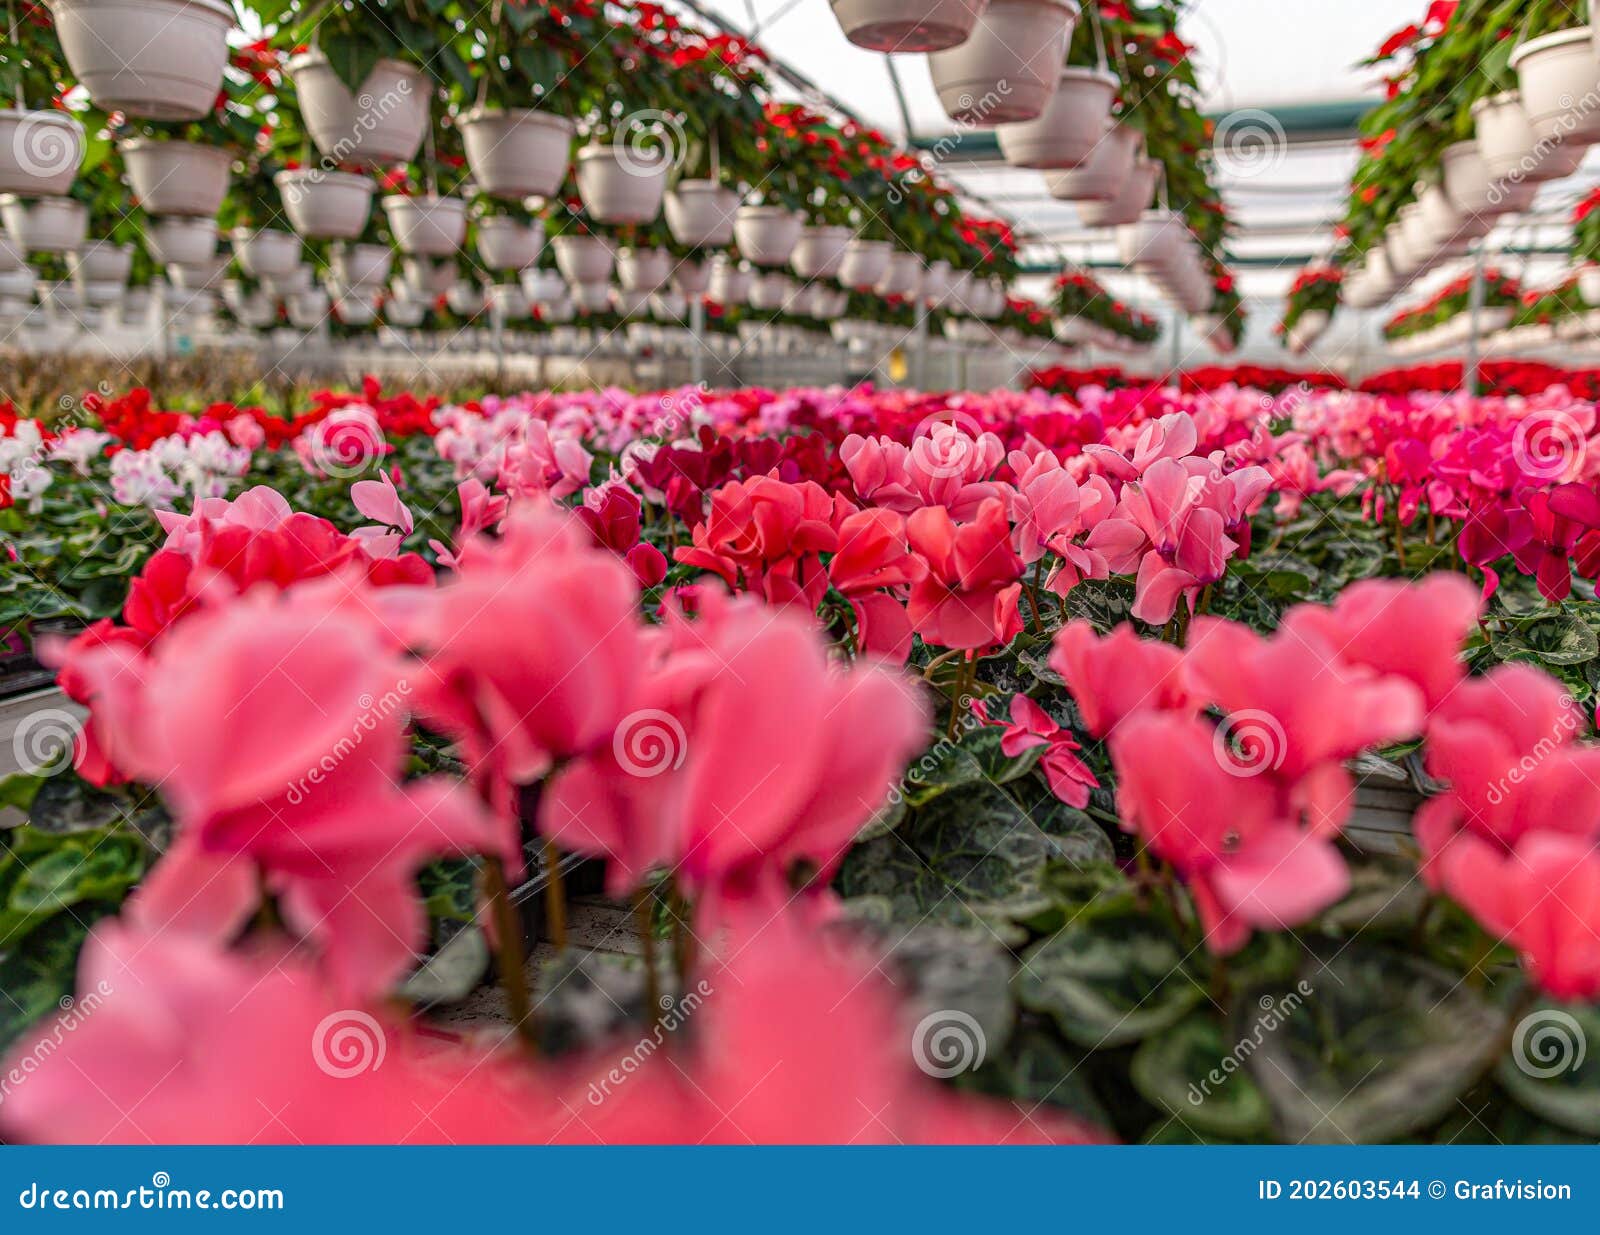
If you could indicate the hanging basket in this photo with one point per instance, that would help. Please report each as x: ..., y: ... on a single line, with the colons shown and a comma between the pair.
x: 40, y: 152
x: 517, y: 153
x: 700, y: 213
x: 45, y: 224
x: 643, y: 270
x: 177, y: 177
x: 691, y: 278
x: 1511, y: 147
x: 864, y: 264
x: 265, y: 251
x: 903, y: 277
x: 383, y: 122
x: 162, y: 59
x: 821, y: 250
x: 730, y: 282
x: 1100, y: 177
x: 1010, y: 66
x: 1559, y: 79
x: 427, y: 225
x: 1066, y: 132
x: 178, y: 241
x: 907, y: 26
x: 583, y: 259
x: 621, y: 183
x: 326, y: 205
x: 509, y: 244
x: 767, y: 235
x: 1129, y: 203
x: 363, y: 265
x: 101, y: 262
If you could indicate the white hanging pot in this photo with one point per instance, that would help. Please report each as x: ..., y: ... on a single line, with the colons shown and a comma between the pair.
x: 430, y: 279
x: 404, y: 314
x: 820, y: 251
x: 558, y: 312
x: 517, y: 153
x: 101, y: 295
x: 1512, y: 148
x: 176, y: 177
x: 177, y: 241
x: 363, y: 265
x: 40, y: 152
x: 509, y: 300
x: 1589, y: 285
x: 45, y: 224
x: 591, y: 297
x: 427, y: 225
x: 583, y: 259
x: 904, y: 276
x: 622, y: 183
x: 700, y: 213
x: 1129, y: 203
x: 308, y: 310
x: 936, y: 283
x: 1010, y: 66
x: 643, y: 270
x: 1418, y: 237
x: 769, y: 290
x: 634, y: 304
x: 691, y: 278
x: 465, y: 299
x: 767, y: 235
x: 1156, y: 240
x: 11, y: 256
x: 1472, y: 189
x: 959, y: 292
x: 18, y: 284
x: 1446, y: 224
x: 1402, y: 261
x: 356, y: 310
x: 730, y: 282
x: 326, y: 205
x: 509, y: 244
x: 101, y: 262
x: 543, y: 285
x: 827, y: 302
x: 1100, y: 177
x: 908, y: 25
x: 265, y: 251
x: 290, y: 283
x: 865, y: 263
x: 1558, y: 77
x: 203, y: 276
x: 157, y: 58
x: 668, y: 306
x: 383, y: 122
x: 1065, y: 133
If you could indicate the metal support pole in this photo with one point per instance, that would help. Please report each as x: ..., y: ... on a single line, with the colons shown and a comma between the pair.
x: 1469, y: 375
x: 697, y: 353
x: 1177, y: 342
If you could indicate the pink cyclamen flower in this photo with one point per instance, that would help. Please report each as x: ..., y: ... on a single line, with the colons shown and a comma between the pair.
x: 1120, y: 675
x: 1031, y: 727
x: 968, y: 598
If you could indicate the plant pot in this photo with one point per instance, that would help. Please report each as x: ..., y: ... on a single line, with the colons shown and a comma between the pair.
x: 383, y: 122
x: 466, y: 299
x: 691, y: 278
x: 18, y: 284
x: 179, y: 241
x: 290, y: 283
x: 101, y: 295
x: 767, y: 235
x: 583, y: 259
x: 591, y: 297
x: 11, y: 255
x: 355, y: 310
x: 308, y: 310
x: 177, y: 177
x: 326, y: 205
x: 643, y: 270
x: 363, y: 265
x: 40, y: 152
x: 1512, y: 148
x: 730, y: 282
x: 1589, y: 284
x: 265, y: 251
x: 199, y: 276
x: 769, y: 290
x: 427, y: 225
x: 517, y: 153
x: 1558, y: 77
x: 430, y: 279
x: 45, y: 224
x: 557, y: 312
x: 1009, y: 68
x: 621, y: 184
x: 509, y: 244
x: 101, y: 262
x: 1473, y: 189
x: 1101, y: 176
x: 1446, y: 224
x: 1067, y: 131
x: 903, y: 277
x: 820, y: 251
x: 888, y: 26
x: 404, y: 314
x: 935, y: 283
x: 157, y: 58
x: 668, y: 306
x: 541, y: 286
x: 1127, y: 205
x: 509, y: 301
x: 865, y: 263
x: 700, y: 213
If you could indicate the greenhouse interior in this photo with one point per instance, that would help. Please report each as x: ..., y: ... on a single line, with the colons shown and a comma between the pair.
x: 812, y: 572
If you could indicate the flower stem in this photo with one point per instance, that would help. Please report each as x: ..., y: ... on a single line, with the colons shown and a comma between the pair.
x: 642, y: 902
x: 555, y: 899
x: 509, y: 958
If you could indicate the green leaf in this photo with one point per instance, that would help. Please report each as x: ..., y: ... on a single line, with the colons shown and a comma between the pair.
x: 42, y: 874
x: 1195, y: 1071
x: 1553, y: 1068
x: 1560, y: 639
x: 1373, y: 1045
x: 19, y: 789
x: 39, y: 971
x: 352, y: 57
x: 1109, y: 980
x: 1036, y: 1067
